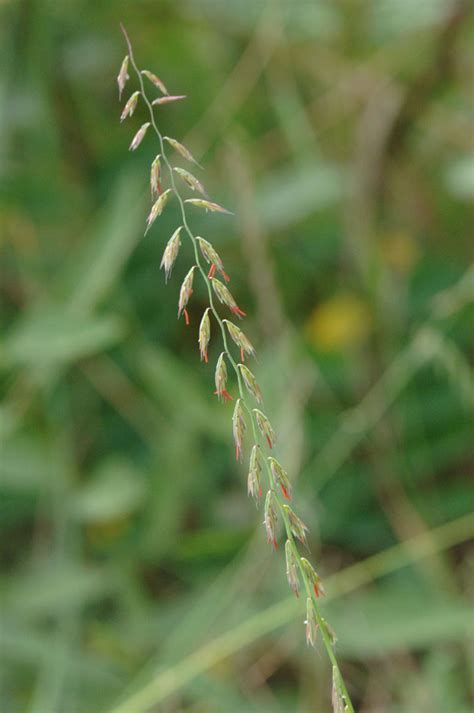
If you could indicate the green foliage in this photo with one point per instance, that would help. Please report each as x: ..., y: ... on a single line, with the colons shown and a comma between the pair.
x: 339, y: 134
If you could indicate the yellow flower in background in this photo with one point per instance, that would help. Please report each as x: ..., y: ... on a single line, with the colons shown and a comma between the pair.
x: 341, y: 322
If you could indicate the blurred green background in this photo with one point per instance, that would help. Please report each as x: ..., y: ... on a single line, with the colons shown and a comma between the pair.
x: 134, y: 568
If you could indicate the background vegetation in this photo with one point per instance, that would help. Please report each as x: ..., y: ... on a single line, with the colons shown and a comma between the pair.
x: 134, y: 567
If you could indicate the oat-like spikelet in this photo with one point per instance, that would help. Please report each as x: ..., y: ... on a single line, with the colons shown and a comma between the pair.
x: 280, y: 477
x: 211, y: 257
x: 155, y: 175
x: 157, y: 208
x: 238, y: 428
x: 292, y: 569
x: 225, y: 297
x: 155, y: 80
x: 204, y: 335
x: 311, y: 622
x: 171, y: 252
x: 191, y: 181
x: 270, y: 520
x: 251, y: 383
x: 138, y: 138
x: 208, y: 205
x: 240, y: 339
x: 254, y: 487
x: 221, y: 379
x: 265, y: 427
x: 297, y: 526
x: 185, y: 293
x: 168, y: 99
x: 181, y: 149
x: 314, y: 578
x: 123, y: 75
x: 130, y: 106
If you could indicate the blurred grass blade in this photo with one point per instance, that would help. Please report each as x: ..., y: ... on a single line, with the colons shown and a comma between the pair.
x: 55, y: 336
x: 94, y: 269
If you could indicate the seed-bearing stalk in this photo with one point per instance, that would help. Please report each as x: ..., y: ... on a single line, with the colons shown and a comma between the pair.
x: 262, y: 431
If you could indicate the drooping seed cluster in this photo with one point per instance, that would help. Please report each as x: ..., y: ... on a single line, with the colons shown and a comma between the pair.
x: 279, y: 493
x: 278, y: 477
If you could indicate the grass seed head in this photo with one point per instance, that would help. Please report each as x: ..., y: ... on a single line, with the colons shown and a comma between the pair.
x: 208, y: 205
x: 295, y: 565
x: 138, y: 138
x: 155, y: 176
x: 254, y: 487
x: 239, y: 338
x: 251, y: 383
x: 191, y: 181
x: 238, y: 428
x: 314, y: 578
x: 123, y: 76
x: 209, y: 253
x: 130, y: 106
x: 225, y: 297
x: 311, y: 622
x: 168, y: 99
x: 155, y: 80
x: 204, y: 335
x: 181, y: 149
x: 171, y: 253
x: 220, y: 378
x: 280, y: 477
x: 270, y: 520
x: 157, y: 208
x: 185, y: 293
x: 265, y: 427
x: 292, y: 569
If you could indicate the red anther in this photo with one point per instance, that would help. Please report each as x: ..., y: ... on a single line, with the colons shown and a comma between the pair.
x: 225, y: 394
x: 160, y: 190
x: 205, y: 357
x: 186, y: 316
x: 269, y: 441
x: 285, y: 492
x: 260, y: 492
x: 237, y: 453
x: 212, y: 271
x: 225, y: 276
x: 242, y: 354
x: 317, y: 590
x: 236, y: 310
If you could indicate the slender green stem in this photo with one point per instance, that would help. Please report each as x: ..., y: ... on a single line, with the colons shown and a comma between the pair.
x: 210, y: 654
x: 278, y: 498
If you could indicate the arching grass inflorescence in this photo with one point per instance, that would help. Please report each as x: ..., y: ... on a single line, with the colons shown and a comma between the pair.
x: 251, y: 427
